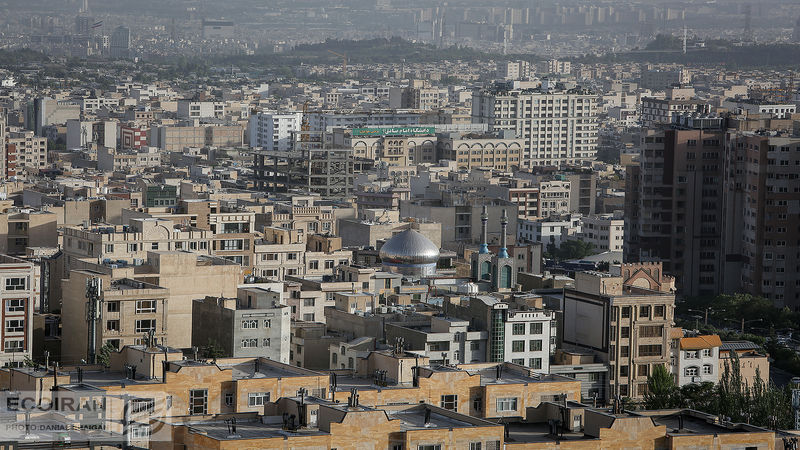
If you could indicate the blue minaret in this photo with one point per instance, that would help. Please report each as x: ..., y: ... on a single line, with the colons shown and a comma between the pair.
x: 484, y: 249
x: 503, y: 253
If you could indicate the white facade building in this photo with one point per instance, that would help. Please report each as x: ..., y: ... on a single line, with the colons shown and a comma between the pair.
x: 188, y: 109
x: 606, y: 231
x: 554, y: 230
x: 695, y: 359
x: 273, y: 131
x: 558, y: 127
x: 528, y: 338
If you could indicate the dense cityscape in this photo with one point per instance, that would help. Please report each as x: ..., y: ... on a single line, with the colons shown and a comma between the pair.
x: 411, y: 225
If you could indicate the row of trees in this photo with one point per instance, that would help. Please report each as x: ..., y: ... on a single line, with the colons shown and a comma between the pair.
x: 762, y: 404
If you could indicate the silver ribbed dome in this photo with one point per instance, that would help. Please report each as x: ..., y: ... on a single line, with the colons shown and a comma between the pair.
x: 409, y: 247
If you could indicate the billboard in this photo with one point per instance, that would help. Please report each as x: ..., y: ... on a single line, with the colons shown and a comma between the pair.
x: 393, y: 131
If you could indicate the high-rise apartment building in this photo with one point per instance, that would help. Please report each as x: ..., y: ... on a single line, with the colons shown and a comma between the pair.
x: 718, y: 208
x: 559, y: 127
x: 674, y: 207
x: 18, y: 297
x: 762, y: 237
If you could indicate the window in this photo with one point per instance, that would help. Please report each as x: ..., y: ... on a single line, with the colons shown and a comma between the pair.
x: 643, y: 370
x: 249, y: 324
x: 692, y: 354
x: 658, y: 311
x: 15, y: 326
x: 15, y: 305
x: 625, y: 332
x: 14, y: 345
x: 449, y: 402
x: 154, y: 246
x: 644, y: 311
x: 507, y: 404
x: 140, y: 431
x: 308, y: 302
x: 624, y: 351
x: 112, y: 306
x: 250, y: 343
x: 623, y: 390
x: 267, y: 343
x: 707, y: 370
x: 474, y: 446
x: 535, y: 363
x: 690, y: 371
x: 198, y: 401
x: 650, y: 350
x: 626, y: 312
x: 112, y: 325
x: 313, y: 265
x: 518, y: 329
x: 623, y: 371
x: 15, y: 284
x: 228, y: 399
x: 142, y: 405
x: 650, y: 331
x: 145, y: 325
x: 474, y: 345
x: 145, y: 306
x: 707, y: 352
x: 517, y: 346
x: 536, y: 328
x: 429, y: 447
x: 267, y: 323
x: 257, y: 398
x: 535, y: 345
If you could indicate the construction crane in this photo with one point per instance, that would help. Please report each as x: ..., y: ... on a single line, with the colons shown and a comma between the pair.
x: 344, y: 61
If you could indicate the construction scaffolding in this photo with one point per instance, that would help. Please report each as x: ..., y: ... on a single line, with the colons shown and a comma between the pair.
x: 329, y: 172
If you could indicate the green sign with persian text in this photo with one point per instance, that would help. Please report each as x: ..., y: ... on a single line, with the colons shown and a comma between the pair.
x: 393, y: 131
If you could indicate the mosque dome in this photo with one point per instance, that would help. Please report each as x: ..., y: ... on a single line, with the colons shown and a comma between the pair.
x: 410, y: 253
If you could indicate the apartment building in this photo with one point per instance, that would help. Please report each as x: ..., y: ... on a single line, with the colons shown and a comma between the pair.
x: 625, y: 320
x: 552, y: 230
x: 19, y: 297
x: 558, y: 127
x: 191, y: 109
x: 131, y: 243
x: 128, y: 311
x: 446, y: 340
x: 21, y: 228
x: 175, y: 138
x: 184, y: 276
x: 274, y: 131
x: 522, y: 336
x: 762, y: 187
x: 254, y: 324
x: 24, y: 150
x: 656, y: 111
x: 606, y: 232
x: 674, y: 207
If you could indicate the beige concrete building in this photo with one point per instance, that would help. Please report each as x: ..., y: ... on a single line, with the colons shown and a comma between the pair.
x: 22, y: 228
x: 184, y: 275
x: 24, y: 150
x: 129, y: 310
x: 625, y: 320
x: 482, y: 150
x: 19, y: 298
x: 130, y: 244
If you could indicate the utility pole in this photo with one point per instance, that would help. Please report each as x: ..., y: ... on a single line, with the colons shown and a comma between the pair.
x: 94, y: 286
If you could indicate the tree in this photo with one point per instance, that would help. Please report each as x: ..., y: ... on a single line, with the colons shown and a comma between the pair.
x: 661, y: 389
x: 104, y: 355
x: 212, y: 350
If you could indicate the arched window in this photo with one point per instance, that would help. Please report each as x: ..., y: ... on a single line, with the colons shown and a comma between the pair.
x: 708, y: 369
x: 690, y: 371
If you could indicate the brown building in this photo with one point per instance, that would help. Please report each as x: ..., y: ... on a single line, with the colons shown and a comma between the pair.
x: 674, y: 208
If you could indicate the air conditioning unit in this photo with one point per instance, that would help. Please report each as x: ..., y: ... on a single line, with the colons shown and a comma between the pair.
x: 696, y: 379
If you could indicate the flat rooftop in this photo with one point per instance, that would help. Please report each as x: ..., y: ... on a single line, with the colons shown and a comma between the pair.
x: 253, y: 429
